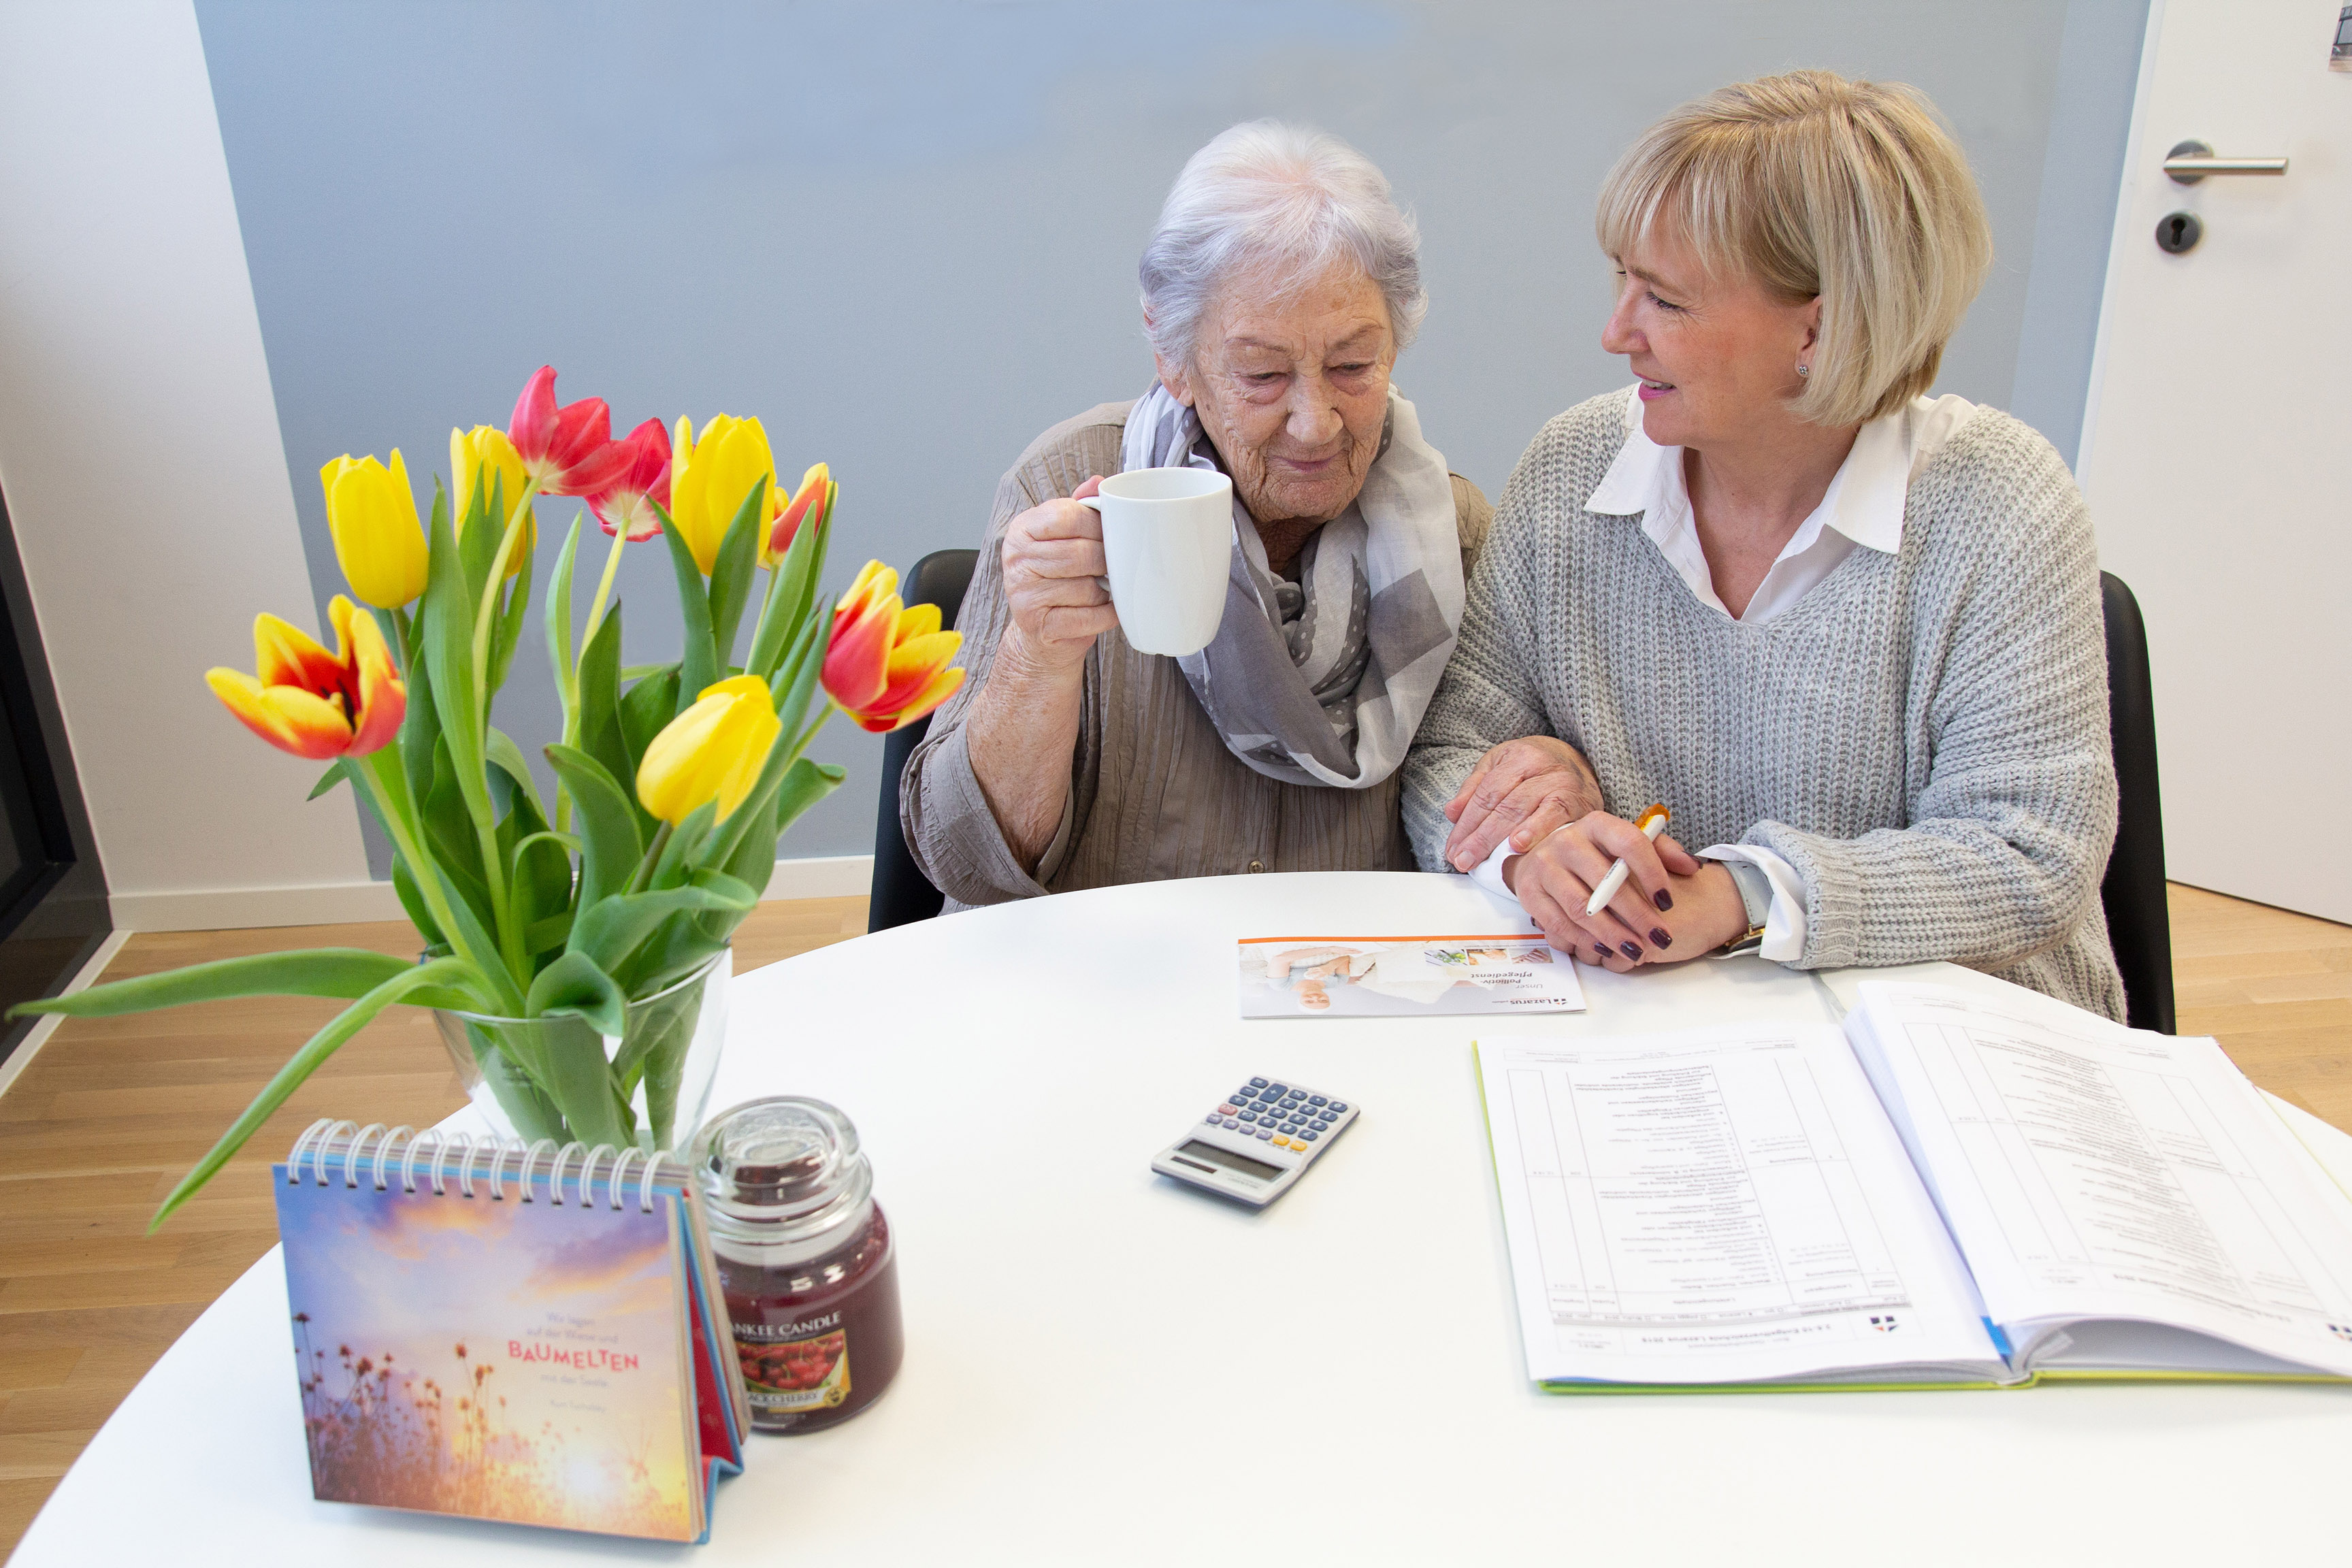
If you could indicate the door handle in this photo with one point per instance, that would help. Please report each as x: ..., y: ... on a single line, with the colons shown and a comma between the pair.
x: 2193, y: 161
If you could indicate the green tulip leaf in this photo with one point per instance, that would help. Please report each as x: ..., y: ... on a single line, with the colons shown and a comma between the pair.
x: 779, y: 618
x: 608, y: 931
x: 731, y: 571
x: 417, y: 980
x: 345, y: 973
x: 609, y: 846
x: 477, y: 534
x: 573, y: 984
x: 797, y: 681
x: 684, y: 848
x: 646, y: 709
x: 420, y: 731
x: 547, y: 935
x: 804, y: 785
x: 698, y: 663
x: 752, y: 860
x: 506, y: 635
x: 557, y: 615
x: 328, y: 780
x: 449, y: 661
x: 411, y: 899
x: 600, y: 733
x: 501, y: 753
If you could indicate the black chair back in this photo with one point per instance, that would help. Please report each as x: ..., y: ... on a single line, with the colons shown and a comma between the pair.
x: 901, y: 892
x: 2139, y: 922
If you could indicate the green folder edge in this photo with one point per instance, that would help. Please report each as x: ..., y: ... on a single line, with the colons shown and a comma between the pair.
x: 1569, y: 1386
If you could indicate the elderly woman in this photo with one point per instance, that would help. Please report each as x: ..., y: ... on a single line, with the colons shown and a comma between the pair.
x: 1848, y: 634
x: 1278, y: 288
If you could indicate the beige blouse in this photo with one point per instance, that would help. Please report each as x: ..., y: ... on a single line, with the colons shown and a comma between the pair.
x: 1154, y: 790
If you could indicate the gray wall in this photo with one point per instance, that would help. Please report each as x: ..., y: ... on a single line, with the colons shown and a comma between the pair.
x: 904, y: 234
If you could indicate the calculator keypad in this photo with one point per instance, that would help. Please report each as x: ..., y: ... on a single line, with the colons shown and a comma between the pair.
x: 1288, y: 1117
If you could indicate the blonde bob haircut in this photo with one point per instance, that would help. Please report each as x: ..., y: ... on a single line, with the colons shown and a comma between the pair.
x: 1814, y: 186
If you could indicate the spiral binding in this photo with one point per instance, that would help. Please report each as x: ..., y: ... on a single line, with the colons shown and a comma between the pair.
x: 372, y: 1148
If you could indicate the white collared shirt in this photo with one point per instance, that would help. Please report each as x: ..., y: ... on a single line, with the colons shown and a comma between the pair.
x: 1862, y: 509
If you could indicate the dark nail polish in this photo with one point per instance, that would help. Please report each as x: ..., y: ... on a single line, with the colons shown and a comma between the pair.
x: 1659, y: 936
x: 1606, y: 954
x: 1630, y: 950
x: 1664, y: 900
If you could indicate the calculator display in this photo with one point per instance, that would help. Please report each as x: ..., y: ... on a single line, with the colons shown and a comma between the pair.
x: 1231, y: 1161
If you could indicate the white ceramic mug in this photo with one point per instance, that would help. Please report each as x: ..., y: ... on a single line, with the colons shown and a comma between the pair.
x: 1168, y: 535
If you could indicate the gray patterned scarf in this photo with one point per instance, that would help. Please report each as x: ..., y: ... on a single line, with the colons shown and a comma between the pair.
x: 1324, y: 680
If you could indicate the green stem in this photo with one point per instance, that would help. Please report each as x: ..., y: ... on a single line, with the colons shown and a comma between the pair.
x: 487, y: 615
x: 827, y: 711
x: 494, y: 869
x: 402, y: 641
x: 604, y: 593
x: 643, y: 879
x: 392, y: 808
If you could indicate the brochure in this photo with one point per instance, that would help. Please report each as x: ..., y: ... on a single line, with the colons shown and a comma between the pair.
x: 1405, y: 976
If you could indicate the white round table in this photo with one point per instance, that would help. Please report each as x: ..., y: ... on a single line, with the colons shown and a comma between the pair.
x: 1106, y: 1367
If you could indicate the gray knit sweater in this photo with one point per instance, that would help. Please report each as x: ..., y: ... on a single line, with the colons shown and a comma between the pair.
x: 1922, y: 736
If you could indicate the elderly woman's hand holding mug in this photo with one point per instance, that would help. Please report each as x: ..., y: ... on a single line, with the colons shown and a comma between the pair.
x: 1054, y: 570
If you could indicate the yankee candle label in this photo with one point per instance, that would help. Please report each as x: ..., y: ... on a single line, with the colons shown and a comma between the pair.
x: 799, y: 1374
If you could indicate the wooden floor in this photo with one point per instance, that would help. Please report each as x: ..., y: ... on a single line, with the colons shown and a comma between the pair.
x: 112, y: 1112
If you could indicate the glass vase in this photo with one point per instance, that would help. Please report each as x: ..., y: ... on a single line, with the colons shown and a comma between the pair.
x: 561, y: 1078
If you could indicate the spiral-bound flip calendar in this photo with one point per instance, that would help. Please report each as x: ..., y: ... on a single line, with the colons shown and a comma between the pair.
x: 508, y: 1331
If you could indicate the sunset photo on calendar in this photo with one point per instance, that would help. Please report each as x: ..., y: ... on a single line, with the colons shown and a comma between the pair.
x: 491, y: 1357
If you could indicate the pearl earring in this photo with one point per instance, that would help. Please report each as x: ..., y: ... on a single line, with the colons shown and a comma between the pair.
x: 1803, y: 369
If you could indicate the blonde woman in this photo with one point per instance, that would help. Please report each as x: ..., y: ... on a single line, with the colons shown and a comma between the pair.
x: 1848, y: 633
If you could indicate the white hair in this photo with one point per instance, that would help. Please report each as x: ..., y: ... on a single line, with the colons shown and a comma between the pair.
x: 1285, y: 200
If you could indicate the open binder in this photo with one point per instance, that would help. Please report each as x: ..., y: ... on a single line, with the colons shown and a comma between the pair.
x: 1954, y: 1191
x: 509, y: 1331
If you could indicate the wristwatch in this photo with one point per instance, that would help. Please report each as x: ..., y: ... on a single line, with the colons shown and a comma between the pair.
x: 1755, y: 895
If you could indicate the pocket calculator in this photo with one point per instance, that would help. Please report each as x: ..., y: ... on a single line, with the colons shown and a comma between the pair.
x: 1254, y: 1145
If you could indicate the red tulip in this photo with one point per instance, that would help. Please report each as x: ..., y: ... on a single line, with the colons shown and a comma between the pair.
x: 627, y: 503
x: 569, y: 450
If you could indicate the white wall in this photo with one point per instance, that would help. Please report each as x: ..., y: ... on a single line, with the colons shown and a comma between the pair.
x: 144, y: 471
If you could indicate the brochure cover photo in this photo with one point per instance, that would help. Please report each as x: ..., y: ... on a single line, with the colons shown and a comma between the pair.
x: 1393, y: 977
x: 495, y: 1358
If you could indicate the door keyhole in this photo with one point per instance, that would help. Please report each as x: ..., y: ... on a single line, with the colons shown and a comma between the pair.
x: 2178, y: 232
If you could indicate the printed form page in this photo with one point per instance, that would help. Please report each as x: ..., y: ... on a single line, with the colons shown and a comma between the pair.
x: 2092, y: 1171
x: 1717, y: 1206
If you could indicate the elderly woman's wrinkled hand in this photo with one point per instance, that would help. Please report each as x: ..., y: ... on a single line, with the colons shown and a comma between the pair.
x: 1526, y: 788
x: 1672, y: 906
x: 1054, y: 569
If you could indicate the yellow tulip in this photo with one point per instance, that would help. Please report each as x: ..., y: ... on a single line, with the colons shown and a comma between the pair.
x: 483, y: 460
x: 372, y: 513
x: 713, y: 751
x: 709, y: 478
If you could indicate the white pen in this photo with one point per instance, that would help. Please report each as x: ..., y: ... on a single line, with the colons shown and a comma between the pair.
x: 1652, y: 823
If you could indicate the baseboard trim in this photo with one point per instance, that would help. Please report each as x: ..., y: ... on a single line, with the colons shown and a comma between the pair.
x: 38, y: 1035
x: 822, y: 876
x: 334, y: 903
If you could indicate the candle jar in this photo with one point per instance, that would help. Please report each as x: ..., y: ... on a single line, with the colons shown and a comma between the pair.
x: 806, y: 1260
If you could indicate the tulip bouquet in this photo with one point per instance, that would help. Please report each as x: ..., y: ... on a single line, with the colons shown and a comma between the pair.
x: 550, y: 924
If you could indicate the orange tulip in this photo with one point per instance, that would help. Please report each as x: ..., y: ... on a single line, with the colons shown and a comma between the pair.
x: 885, y: 665
x: 314, y: 704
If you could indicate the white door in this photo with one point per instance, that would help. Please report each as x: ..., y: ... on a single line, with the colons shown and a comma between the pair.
x: 2217, y: 445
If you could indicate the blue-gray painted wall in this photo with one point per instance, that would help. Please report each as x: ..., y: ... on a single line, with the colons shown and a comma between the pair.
x: 904, y: 235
